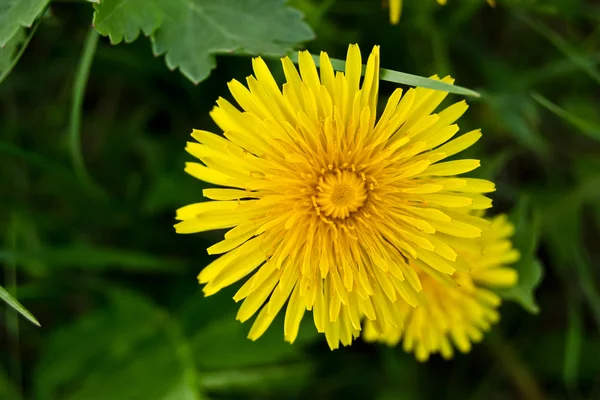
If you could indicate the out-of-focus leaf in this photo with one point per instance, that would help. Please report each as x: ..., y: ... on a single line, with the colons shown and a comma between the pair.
x: 223, y: 344
x: 262, y: 379
x: 172, y: 190
x: 194, y: 31
x: 17, y: 13
x: 541, y: 355
x: 124, y: 351
x: 563, y: 230
x: 400, y: 77
x: 573, y: 344
x: 124, y: 19
x: 574, y: 54
x: 14, y: 303
x: 517, y: 115
x: 7, y: 387
x: 587, y: 127
x: 88, y: 257
x: 530, y: 269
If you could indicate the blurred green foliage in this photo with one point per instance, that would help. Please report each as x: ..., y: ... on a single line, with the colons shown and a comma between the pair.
x: 91, y: 143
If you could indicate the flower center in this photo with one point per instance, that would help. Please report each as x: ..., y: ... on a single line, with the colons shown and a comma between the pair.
x: 340, y: 194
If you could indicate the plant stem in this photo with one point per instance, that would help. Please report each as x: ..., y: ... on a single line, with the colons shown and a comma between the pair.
x: 79, y: 86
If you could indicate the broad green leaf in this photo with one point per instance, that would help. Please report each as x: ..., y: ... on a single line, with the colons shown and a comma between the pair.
x: 11, y: 301
x: 530, y: 269
x: 194, y: 31
x: 17, y: 13
x: 126, y: 350
x: 587, y: 127
x: 400, y: 77
x: 124, y: 19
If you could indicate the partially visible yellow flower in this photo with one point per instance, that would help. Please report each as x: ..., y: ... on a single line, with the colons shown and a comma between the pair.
x: 396, y: 9
x: 327, y: 201
x: 461, y: 308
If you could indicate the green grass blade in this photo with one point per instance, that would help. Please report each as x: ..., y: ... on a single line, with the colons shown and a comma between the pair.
x: 11, y: 301
x: 589, y: 128
x: 573, y: 343
x: 400, y: 77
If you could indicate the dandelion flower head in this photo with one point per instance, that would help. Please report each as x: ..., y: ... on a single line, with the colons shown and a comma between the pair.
x: 328, y: 203
x: 459, y: 309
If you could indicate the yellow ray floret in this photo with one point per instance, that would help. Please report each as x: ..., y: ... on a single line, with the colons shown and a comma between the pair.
x: 458, y: 309
x: 326, y: 203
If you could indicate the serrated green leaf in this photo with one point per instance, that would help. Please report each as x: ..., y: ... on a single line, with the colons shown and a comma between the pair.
x: 399, y: 77
x: 530, y: 269
x: 11, y: 301
x: 193, y: 32
x: 124, y: 19
x: 17, y: 13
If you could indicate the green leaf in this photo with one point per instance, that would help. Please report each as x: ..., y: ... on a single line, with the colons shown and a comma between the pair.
x: 589, y: 128
x: 126, y: 350
x: 530, y: 269
x: 399, y: 77
x: 193, y: 32
x: 11, y: 301
x: 124, y: 19
x: 17, y: 13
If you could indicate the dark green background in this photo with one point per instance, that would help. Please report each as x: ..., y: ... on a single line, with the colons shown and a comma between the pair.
x: 115, y: 289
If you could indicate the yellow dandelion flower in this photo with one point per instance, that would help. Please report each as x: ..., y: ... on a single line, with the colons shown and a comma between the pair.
x: 396, y: 9
x: 326, y: 202
x: 458, y: 309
